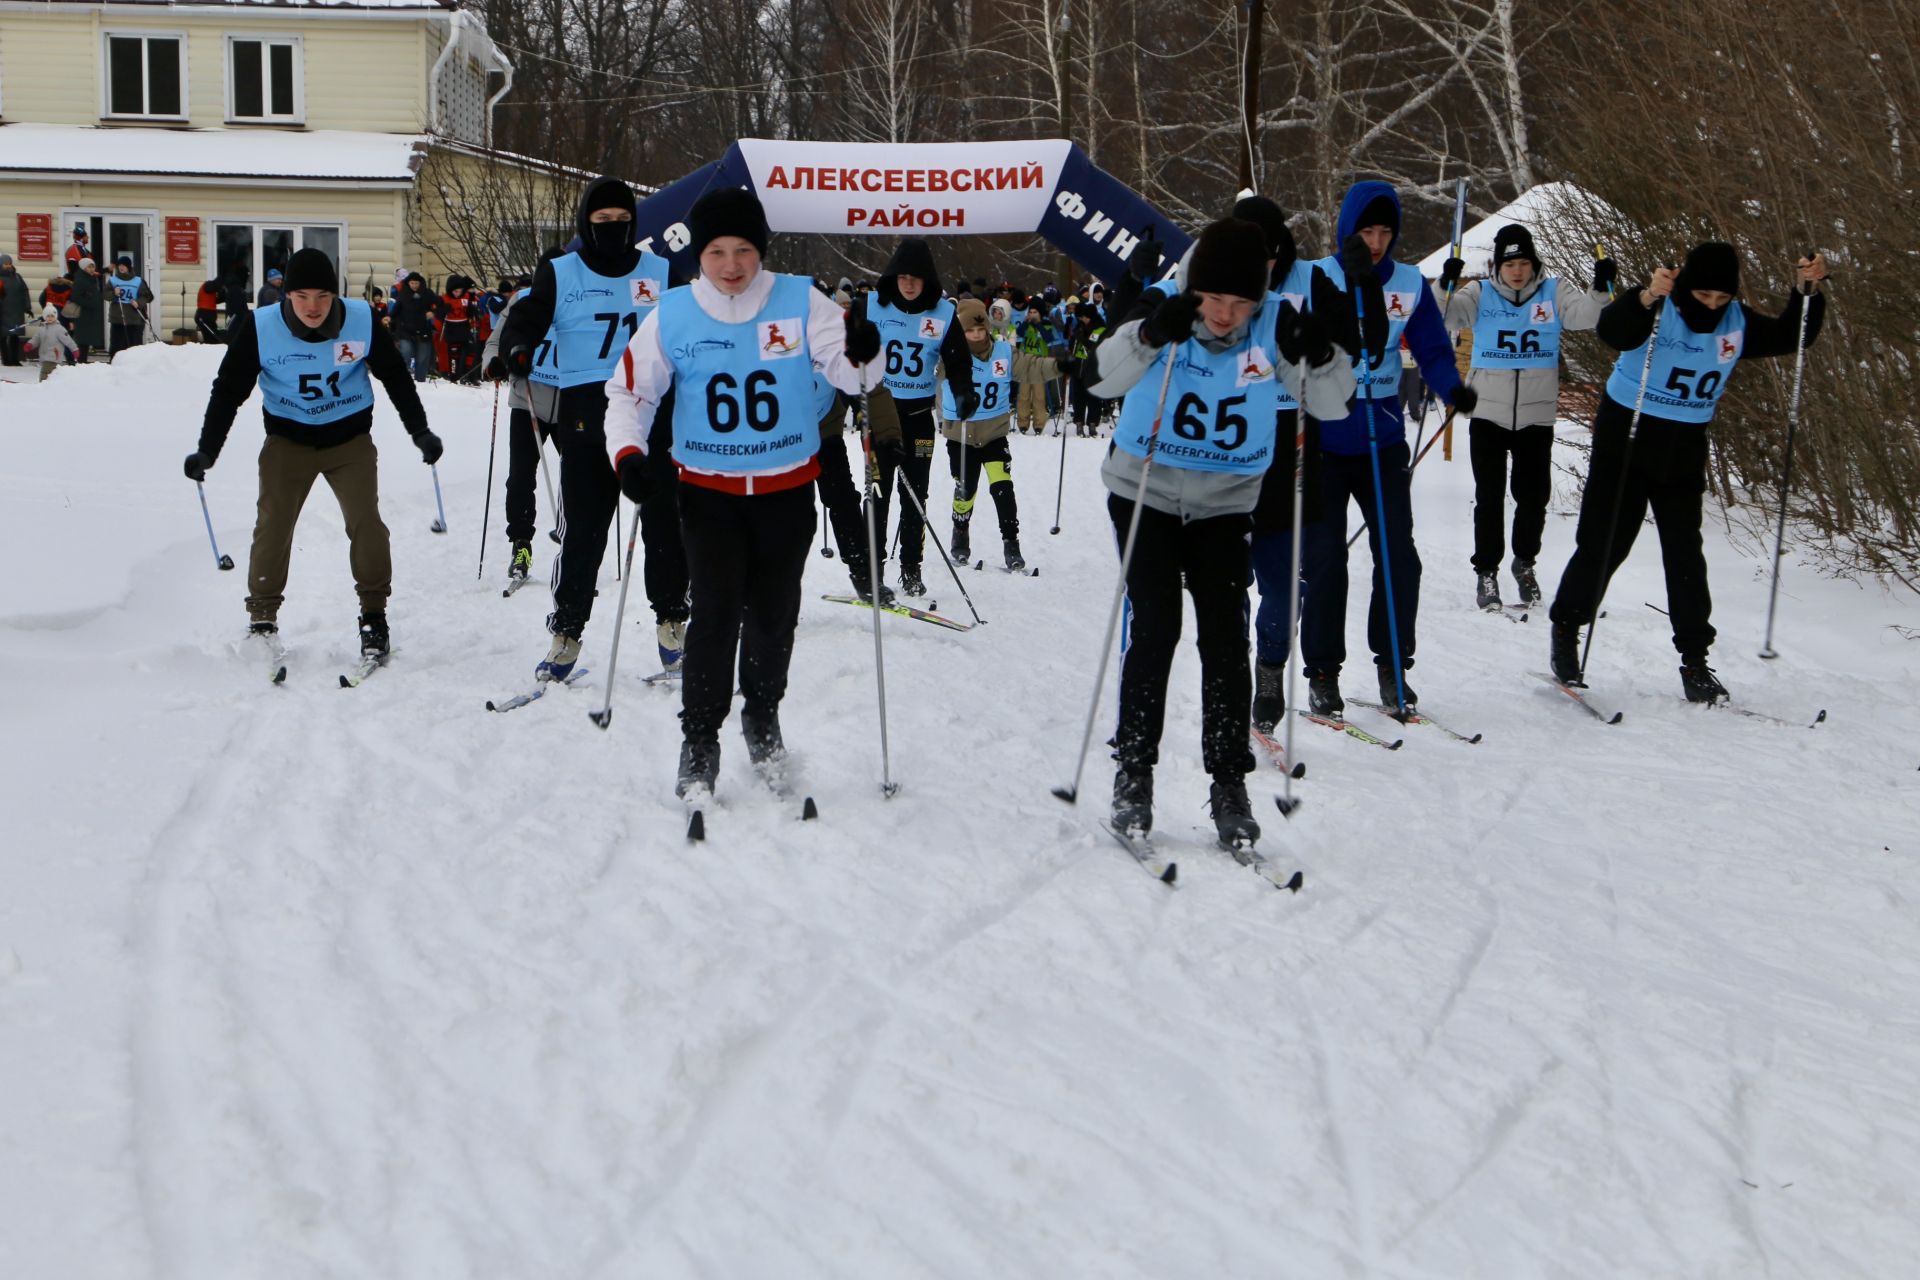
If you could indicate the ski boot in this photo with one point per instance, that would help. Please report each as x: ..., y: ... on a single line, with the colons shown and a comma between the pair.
x: 1486, y: 590
x: 1564, y: 654
x: 670, y: 634
x: 911, y: 583
x: 265, y: 629
x: 374, y: 642
x: 1391, y: 690
x: 560, y: 659
x: 1232, y: 812
x: 1323, y: 694
x: 962, y: 544
x: 764, y: 744
x: 522, y: 563
x: 1699, y: 682
x: 1269, y: 695
x: 1133, y: 802
x: 699, y: 767
x: 1529, y: 585
x: 1016, y: 562
x: 863, y: 587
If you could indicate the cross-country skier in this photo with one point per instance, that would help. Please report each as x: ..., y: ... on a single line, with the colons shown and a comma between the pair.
x: 530, y: 406
x: 311, y: 356
x: 1704, y: 332
x: 1517, y: 318
x: 979, y: 442
x: 739, y: 348
x: 838, y: 492
x: 1210, y: 441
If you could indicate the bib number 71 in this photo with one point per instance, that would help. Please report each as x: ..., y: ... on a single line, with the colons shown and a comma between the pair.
x: 1229, y: 428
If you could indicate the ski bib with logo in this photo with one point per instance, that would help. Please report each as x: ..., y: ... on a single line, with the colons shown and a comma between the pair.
x: 315, y: 382
x: 1296, y: 289
x: 992, y: 379
x: 1221, y: 408
x: 1690, y: 370
x: 1517, y: 335
x: 911, y: 344
x: 127, y: 292
x: 744, y: 394
x: 1402, y: 295
x: 594, y: 318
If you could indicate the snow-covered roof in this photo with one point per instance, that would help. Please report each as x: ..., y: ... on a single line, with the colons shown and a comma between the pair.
x: 335, y: 155
x: 1558, y: 214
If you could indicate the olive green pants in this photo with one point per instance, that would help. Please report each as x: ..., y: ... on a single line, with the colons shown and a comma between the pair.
x: 287, y: 473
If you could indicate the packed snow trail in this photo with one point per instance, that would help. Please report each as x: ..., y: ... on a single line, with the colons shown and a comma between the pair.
x: 304, y: 982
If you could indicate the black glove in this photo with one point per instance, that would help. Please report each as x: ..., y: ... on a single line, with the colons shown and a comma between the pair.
x: 430, y: 447
x: 496, y: 369
x: 1144, y: 261
x: 968, y: 403
x: 1070, y: 367
x: 635, y: 480
x: 863, y: 339
x: 1464, y: 398
x: 520, y: 361
x: 1605, y: 272
x: 1356, y: 260
x: 197, y: 464
x: 1450, y: 273
x: 1335, y: 310
x: 1302, y: 336
x: 1171, y: 321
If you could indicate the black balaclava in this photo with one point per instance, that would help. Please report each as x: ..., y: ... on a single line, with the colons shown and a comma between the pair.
x: 1709, y: 265
x: 607, y: 247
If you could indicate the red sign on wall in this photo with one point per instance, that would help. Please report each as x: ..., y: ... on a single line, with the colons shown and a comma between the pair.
x: 35, y: 238
x: 183, y: 240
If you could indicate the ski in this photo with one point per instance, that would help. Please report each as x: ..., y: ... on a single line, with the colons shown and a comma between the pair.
x: 1818, y: 719
x: 904, y: 611
x: 368, y: 665
x: 534, y: 694
x: 1350, y: 729
x: 663, y: 677
x: 275, y: 653
x: 1141, y: 850
x: 1580, y: 700
x: 1415, y: 716
x: 696, y: 804
x: 1258, y: 863
x: 980, y: 566
x: 514, y: 584
x: 773, y: 776
x: 1276, y: 753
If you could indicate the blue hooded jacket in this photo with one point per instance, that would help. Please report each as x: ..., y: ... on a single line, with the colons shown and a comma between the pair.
x: 1425, y: 334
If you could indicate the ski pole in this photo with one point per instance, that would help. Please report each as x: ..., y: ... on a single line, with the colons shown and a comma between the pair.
x: 493, y: 436
x: 914, y: 498
x: 1786, y: 471
x: 1619, y: 494
x: 1060, y: 486
x: 541, y: 440
x: 1600, y: 255
x: 1286, y: 802
x: 616, y: 535
x: 1380, y: 518
x: 440, y: 524
x: 1437, y: 437
x: 219, y: 561
x: 888, y: 787
x: 604, y: 716
x: 1071, y: 792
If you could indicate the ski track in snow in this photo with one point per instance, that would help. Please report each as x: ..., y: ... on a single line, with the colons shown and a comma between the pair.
x: 322, y: 983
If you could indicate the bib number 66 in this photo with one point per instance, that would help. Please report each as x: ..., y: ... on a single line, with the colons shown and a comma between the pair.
x: 759, y: 406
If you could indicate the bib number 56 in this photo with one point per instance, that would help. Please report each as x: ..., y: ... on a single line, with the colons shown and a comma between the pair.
x: 759, y: 406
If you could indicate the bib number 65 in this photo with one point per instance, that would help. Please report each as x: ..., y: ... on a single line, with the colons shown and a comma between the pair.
x: 1229, y: 428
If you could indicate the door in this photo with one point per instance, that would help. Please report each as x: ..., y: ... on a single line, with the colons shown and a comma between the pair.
x: 115, y: 234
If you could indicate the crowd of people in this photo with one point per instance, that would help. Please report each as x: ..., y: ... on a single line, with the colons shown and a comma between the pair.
x: 75, y: 315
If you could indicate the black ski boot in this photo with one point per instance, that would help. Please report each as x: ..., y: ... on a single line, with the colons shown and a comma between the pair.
x: 1015, y: 561
x: 1564, y: 655
x: 1529, y: 585
x: 911, y: 583
x: 764, y: 745
x: 1699, y: 682
x: 1323, y: 694
x: 522, y: 563
x: 1232, y: 812
x: 1486, y: 590
x: 374, y: 642
x: 699, y: 767
x: 961, y: 547
x: 1391, y: 690
x: 267, y: 629
x: 863, y: 585
x: 1133, y: 802
x: 1269, y: 695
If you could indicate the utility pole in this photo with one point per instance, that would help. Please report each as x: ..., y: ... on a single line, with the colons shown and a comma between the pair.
x: 1250, y: 92
x: 1064, y: 269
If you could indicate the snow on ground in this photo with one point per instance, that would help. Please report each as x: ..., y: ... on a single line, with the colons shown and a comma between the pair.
x: 314, y: 983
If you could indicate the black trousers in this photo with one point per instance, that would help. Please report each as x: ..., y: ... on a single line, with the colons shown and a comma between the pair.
x: 1212, y: 559
x: 123, y: 336
x: 1666, y: 473
x: 997, y: 461
x: 589, y: 495
x: 841, y: 497
x: 1532, y: 450
x: 1086, y: 406
x: 746, y: 553
x: 523, y: 466
x: 666, y: 569
x: 1323, y: 560
x: 916, y: 435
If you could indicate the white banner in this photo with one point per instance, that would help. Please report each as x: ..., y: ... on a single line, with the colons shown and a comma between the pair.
x: 936, y: 188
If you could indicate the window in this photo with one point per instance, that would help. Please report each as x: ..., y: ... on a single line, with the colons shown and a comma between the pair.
x: 245, y: 251
x: 263, y: 79
x: 146, y: 76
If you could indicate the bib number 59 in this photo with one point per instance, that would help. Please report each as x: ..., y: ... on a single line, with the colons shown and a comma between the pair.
x: 759, y: 406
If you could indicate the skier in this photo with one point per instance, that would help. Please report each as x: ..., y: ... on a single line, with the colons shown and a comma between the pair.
x: 1517, y: 318
x: 916, y: 326
x: 1704, y: 332
x: 587, y: 304
x: 1395, y: 301
x: 980, y: 441
x: 311, y: 356
x: 530, y: 406
x: 1035, y: 366
x: 838, y: 493
x: 127, y: 312
x: 745, y: 436
x: 1208, y: 442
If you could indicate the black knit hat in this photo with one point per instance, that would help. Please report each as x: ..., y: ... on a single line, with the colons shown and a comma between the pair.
x: 1514, y: 241
x: 310, y: 269
x: 1229, y: 257
x: 1381, y: 211
x: 1711, y: 265
x: 1266, y: 213
x: 727, y: 211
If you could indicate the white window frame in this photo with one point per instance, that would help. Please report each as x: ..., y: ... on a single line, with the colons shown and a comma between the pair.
x: 299, y: 115
x: 107, y: 37
x: 298, y: 227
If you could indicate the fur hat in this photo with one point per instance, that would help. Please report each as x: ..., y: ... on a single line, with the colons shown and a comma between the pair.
x: 1229, y: 257
x: 727, y: 211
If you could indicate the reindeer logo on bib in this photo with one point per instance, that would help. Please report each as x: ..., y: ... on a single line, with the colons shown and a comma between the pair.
x: 345, y: 353
x: 778, y: 339
x: 1729, y: 345
x: 931, y: 328
x: 1399, y: 306
x: 1542, y: 313
x: 645, y: 293
x: 1255, y: 366
x: 999, y: 368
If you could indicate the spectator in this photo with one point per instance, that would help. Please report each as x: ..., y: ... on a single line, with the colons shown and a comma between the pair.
x: 89, y: 295
x: 77, y: 250
x: 49, y: 339
x: 59, y: 295
x: 127, y: 311
x: 271, y: 292
x: 14, y: 306
x: 413, y: 312
x: 206, y: 311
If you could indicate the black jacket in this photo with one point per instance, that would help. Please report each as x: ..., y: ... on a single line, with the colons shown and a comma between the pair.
x: 413, y: 311
x: 1625, y: 324
x: 240, y: 373
x: 914, y: 258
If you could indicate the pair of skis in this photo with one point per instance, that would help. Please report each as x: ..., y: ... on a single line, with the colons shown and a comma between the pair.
x: 1577, y: 695
x: 276, y: 654
x: 1147, y: 855
x: 904, y: 611
x: 772, y: 775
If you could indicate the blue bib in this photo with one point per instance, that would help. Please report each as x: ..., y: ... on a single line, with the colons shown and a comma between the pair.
x: 1523, y: 335
x: 1690, y: 370
x: 1402, y: 290
x: 744, y: 395
x: 1297, y: 289
x: 1221, y: 409
x: 127, y: 291
x: 823, y: 394
x: 594, y: 318
x: 911, y: 344
x: 315, y: 382
x: 992, y: 380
